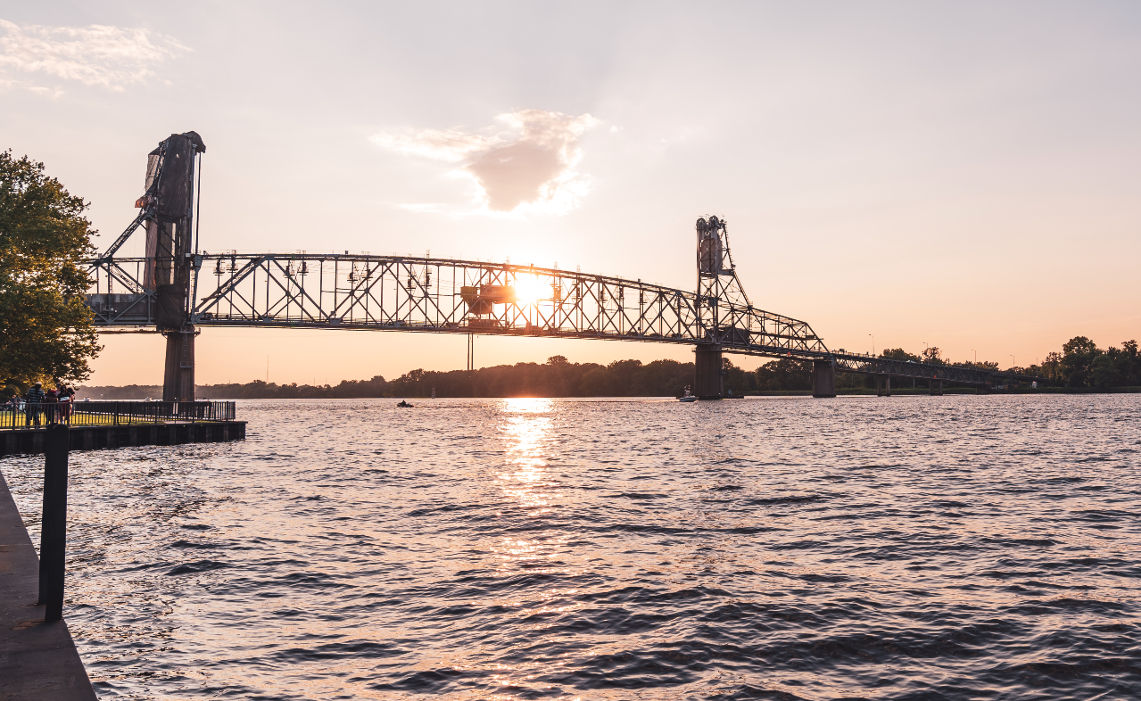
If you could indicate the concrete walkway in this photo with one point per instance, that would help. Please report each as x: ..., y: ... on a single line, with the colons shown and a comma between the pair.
x: 37, y: 660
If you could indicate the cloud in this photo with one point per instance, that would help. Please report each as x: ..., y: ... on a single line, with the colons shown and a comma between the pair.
x: 109, y: 57
x: 528, y: 165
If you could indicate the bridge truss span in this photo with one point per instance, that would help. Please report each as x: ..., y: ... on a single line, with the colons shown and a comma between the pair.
x: 404, y: 293
x: 176, y: 289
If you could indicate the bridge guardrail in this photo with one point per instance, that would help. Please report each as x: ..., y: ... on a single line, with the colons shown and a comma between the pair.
x: 112, y: 413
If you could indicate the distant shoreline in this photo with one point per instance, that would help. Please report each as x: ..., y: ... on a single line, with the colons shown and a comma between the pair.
x: 138, y: 392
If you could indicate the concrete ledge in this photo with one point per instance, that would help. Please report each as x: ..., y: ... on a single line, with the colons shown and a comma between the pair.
x: 30, y: 441
x: 37, y: 660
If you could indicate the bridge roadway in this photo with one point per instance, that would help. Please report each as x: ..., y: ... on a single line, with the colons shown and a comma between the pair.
x: 433, y: 295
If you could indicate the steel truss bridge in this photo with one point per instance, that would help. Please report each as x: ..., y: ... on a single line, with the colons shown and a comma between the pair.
x: 396, y: 293
x: 434, y: 295
x: 175, y: 289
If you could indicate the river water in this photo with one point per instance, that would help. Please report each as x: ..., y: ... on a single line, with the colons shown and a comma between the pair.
x: 954, y: 547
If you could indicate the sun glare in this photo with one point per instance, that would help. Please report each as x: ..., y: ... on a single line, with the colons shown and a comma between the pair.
x: 530, y: 289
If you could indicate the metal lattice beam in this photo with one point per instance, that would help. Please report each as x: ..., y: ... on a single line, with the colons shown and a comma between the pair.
x: 431, y: 295
x: 428, y: 295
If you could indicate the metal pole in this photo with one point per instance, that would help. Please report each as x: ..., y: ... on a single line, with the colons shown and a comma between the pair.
x: 53, y: 529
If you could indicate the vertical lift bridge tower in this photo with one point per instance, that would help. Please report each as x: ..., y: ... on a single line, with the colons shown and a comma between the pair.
x: 166, y: 212
x: 719, y: 291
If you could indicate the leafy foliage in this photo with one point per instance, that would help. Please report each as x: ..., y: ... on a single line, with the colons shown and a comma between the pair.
x: 1083, y: 364
x: 47, y: 332
x: 558, y: 377
x: 1077, y: 360
x: 785, y: 374
x: 555, y: 378
x: 900, y: 354
x: 933, y: 356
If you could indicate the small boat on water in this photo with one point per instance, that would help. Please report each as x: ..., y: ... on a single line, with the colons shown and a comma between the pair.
x: 687, y: 397
x: 405, y: 405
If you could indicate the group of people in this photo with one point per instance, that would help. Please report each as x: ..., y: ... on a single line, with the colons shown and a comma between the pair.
x: 55, y: 405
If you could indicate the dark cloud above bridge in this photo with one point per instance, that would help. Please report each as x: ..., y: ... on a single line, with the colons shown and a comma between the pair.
x: 528, y: 164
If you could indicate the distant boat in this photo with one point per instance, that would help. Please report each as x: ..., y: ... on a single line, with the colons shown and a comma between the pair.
x: 687, y: 397
x: 404, y: 404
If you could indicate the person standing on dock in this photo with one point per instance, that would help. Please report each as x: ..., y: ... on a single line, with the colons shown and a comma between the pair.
x: 13, y: 408
x: 66, y: 398
x: 33, y: 401
x: 51, y: 396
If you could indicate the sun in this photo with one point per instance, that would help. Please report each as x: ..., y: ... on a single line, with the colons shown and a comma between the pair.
x: 530, y: 289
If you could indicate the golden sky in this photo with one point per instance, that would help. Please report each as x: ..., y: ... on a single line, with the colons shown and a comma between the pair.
x: 962, y: 175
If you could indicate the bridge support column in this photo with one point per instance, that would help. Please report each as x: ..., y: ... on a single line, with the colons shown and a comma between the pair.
x: 982, y: 389
x: 936, y: 387
x: 707, y: 372
x: 178, y: 380
x: 883, y: 385
x: 823, y: 379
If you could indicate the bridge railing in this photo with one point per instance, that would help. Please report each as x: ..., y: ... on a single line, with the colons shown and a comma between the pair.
x: 113, y: 413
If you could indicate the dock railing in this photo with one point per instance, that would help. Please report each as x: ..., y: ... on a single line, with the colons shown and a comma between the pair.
x: 112, y: 413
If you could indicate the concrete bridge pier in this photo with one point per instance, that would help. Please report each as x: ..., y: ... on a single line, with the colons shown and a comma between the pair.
x: 823, y: 379
x: 708, y: 369
x: 936, y: 387
x: 178, y: 380
x: 883, y: 385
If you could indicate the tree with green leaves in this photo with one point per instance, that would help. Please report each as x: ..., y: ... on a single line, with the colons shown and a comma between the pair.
x: 1078, y: 355
x: 932, y: 355
x: 784, y: 374
x: 1116, y: 367
x: 46, y: 330
x: 900, y: 354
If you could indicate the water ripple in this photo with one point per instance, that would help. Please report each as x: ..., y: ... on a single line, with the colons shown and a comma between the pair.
x: 910, y: 548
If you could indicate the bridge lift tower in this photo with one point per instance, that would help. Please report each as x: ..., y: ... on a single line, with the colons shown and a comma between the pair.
x: 719, y: 301
x: 166, y: 212
x: 716, y: 280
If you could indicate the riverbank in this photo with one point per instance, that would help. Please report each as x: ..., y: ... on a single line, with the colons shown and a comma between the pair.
x: 37, y: 660
x: 951, y: 390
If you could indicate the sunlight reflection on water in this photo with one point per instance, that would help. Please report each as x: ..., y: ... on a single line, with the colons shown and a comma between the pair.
x: 911, y: 548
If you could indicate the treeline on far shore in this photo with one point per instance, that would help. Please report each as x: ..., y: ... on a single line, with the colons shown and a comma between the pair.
x: 556, y: 378
x: 1080, y: 366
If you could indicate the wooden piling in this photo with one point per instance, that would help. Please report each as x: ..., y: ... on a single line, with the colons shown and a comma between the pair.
x: 53, y: 528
